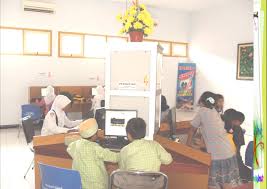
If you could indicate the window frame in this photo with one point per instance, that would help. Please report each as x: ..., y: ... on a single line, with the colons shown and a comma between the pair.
x: 49, y: 53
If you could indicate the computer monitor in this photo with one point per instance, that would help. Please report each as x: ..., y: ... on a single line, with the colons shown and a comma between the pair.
x: 43, y: 92
x: 116, y: 121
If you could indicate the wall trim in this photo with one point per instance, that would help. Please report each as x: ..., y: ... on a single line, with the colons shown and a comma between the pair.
x: 9, y: 126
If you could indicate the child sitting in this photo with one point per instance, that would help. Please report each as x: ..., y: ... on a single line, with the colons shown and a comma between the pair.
x: 141, y: 154
x: 88, y: 157
x: 224, y: 172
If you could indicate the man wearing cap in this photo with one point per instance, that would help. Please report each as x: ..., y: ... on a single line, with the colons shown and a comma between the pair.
x: 89, y: 157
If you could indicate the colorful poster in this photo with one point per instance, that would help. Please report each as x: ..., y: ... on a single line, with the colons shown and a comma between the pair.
x: 260, y: 95
x: 185, y: 86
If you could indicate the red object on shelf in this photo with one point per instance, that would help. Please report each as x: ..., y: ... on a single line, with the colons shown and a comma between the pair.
x: 136, y: 36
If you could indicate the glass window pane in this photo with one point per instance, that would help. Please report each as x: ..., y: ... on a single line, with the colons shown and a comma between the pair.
x: 95, y: 46
x: 116, y: 40
x: 37, y: 42
x: 166, y: 48
x: 179, y: 49
x: 11, y: 41
x: 71, y: 44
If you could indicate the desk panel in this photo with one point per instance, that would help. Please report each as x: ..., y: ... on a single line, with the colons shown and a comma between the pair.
x: 187, y: 171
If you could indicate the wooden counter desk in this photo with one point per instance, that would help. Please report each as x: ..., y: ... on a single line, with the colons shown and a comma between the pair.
x: 189, y: 170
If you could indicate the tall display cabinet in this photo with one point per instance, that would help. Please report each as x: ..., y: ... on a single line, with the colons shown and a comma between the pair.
x: 133, y: 81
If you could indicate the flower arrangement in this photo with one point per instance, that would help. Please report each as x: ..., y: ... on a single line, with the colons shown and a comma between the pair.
x: 136, y: 18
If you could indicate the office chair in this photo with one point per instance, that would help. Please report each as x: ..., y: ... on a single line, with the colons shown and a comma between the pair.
x: 245, y: 186
x: 249, y: 154
x: 32, y: 111
x: 55, y: 177
x: 137, y: 180
x: 100, y: 117
x: 28, y: 129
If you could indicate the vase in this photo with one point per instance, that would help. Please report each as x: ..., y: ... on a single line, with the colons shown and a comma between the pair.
x: 136, y: 36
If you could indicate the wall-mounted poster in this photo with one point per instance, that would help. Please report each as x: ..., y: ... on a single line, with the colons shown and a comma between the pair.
x: 245, y: 61
x: 185, y: 86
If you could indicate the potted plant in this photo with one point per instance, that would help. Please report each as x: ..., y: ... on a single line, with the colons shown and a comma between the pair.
x: 137, y: 22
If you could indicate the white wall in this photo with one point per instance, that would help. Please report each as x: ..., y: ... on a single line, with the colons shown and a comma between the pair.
x: 215, y: 34
x: 89, y: 16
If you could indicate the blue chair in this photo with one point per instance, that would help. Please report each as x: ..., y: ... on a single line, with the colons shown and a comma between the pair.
x: 55, y: 177
x: 32, y: 111
x: 28, y: 129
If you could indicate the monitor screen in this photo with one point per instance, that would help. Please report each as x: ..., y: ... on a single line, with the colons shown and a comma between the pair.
x: 116, y: 121
x: 43, y: 92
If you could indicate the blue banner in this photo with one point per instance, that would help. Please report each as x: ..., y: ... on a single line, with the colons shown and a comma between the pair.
x: 185, y: 86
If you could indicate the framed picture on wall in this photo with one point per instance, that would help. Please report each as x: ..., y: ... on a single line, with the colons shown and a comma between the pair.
x: 245, y: 61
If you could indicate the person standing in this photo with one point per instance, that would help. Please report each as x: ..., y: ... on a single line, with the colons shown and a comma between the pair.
x: 224, y: 171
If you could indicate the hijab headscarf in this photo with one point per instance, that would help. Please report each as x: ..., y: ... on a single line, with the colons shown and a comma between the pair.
x: 59, y: 103
x: 98, y: 97
x: 50, y: 96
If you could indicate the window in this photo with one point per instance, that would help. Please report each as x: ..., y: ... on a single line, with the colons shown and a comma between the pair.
x: 71, y: 45
x: 116, y: 40
x: 179, y: 49
x: 11, y: 41
x: 37, y: 42
x: 166, y: 48
x: 94, y: 46
x: 173, y: 49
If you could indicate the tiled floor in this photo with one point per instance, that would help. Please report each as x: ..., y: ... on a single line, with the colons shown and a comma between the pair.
x: 15, y: 158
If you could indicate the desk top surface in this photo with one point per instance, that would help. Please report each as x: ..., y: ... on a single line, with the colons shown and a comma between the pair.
x: 180, y: 162
x: 53, y: 145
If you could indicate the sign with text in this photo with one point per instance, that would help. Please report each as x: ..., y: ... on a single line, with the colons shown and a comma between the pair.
x: 185, y: 86
x: 127, y: 85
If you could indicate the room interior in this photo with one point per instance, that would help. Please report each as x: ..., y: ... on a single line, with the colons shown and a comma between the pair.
x: 205, y: 32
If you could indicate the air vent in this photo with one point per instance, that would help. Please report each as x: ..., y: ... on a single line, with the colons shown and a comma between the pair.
x: 38, y: 6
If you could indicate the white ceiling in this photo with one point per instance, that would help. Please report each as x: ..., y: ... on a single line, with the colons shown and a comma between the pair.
x: 184, y: 5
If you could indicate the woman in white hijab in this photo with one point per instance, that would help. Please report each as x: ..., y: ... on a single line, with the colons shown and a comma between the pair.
x: 56, y: 120
x: 96, y: 101
x: 49, y: 98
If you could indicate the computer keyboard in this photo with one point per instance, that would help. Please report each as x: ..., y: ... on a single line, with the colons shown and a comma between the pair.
x: 113, y: 143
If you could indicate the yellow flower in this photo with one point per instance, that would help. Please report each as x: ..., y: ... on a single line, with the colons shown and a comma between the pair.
x: 119, y: 17
x: 133, y: 12
x: 147, y: 22
x: 122, y: 31
x: 142, y: 6
x: 127, y: 26
x: 124, y: 18
x: 130, y: 19
x: 133, y: 7
x: 141, y: 16
x: 147, y: 31
x: 138, y: 18
x: 138, y: 25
